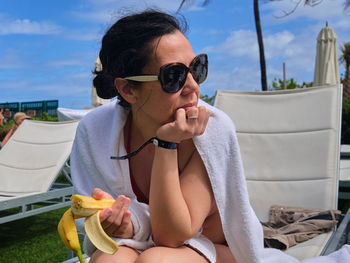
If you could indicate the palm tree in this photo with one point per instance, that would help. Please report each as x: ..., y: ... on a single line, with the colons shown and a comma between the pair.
x: 261, y: 46
x: 345, y: 58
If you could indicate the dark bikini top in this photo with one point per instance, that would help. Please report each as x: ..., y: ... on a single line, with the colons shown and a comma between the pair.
x: 139, y: 194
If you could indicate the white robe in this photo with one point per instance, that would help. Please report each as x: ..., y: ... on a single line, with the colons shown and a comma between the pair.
x: 100, y: 135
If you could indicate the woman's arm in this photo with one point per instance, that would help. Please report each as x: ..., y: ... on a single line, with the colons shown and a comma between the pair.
x: 7, y: 137
x: 179, y: 204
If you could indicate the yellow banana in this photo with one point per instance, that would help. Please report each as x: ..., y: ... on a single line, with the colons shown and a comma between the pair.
x: 69, y: 235
x: 85, y: 206
x: 89, y: 207
x: 97, y: 235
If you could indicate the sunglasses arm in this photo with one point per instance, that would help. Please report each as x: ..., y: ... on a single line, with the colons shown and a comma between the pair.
x: 143, y: 78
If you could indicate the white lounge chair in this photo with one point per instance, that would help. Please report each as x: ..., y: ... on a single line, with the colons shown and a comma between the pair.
x: 29, y: 165
x: 65, y: 114
x: 290, y: 143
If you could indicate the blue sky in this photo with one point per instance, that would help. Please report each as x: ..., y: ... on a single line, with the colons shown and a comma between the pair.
x: 48, y: 48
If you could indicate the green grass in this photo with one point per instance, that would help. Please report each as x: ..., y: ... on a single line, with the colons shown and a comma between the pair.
x: 33, y: 239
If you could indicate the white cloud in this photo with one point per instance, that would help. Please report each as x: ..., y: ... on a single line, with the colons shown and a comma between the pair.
x: 321, y: 12
x: 342, y: 24
x: 246, y: 78
x: 238, y: 43
x: 278, y: 44
x: 84, y: 35
x: 72, y: 84
x: 240, y: 51
x: 65, y: 63
x: 107, y: 11
x: 25, y: 26
x: 10, y: 61
x: 244, y: 43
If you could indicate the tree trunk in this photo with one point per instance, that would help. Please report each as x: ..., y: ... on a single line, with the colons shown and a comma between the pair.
x: 261, y: 46
x: 346, y: 82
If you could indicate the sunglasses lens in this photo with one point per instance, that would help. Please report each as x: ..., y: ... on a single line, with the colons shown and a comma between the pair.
x: 174, y: 77
x: 200, y: 68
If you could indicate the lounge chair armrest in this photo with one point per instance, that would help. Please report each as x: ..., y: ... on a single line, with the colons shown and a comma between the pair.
x: 340, y: 237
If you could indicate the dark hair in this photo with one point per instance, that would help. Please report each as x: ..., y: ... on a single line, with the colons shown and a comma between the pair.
x: 127, y: 47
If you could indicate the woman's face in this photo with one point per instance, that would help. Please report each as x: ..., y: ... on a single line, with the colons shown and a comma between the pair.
x: 154, y: 104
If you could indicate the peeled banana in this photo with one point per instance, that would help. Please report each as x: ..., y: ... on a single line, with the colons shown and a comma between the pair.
x: 88, y: 207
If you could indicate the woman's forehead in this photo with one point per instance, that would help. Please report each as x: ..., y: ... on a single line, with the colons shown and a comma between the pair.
x: 173, y: 47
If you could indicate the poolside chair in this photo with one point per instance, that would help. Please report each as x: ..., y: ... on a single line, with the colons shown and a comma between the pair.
x: 65, y: 114
x: 29, y: 165
x: 344, y: 183
x: 290, y: 144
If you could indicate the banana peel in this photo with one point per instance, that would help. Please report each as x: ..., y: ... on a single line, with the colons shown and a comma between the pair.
x: 98, y: 236
x: 69, y: 235
x: 88, y: 207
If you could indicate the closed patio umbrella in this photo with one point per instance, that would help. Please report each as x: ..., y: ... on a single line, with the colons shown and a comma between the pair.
x: 96, y: 100
x: 326, y: 65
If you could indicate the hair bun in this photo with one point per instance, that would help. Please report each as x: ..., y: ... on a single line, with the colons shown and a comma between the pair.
x: 104, y: 85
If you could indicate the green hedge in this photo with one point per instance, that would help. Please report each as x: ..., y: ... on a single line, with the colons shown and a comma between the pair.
x: 5, y: 128
x: 345, y: 134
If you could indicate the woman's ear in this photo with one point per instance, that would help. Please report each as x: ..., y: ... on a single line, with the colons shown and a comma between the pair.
x: 125, y: 90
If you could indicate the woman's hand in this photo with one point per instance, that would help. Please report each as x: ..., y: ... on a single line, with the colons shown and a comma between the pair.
x: 116, y: 221
x: 188, y: 124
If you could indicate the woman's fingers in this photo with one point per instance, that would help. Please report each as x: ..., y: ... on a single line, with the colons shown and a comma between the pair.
x: 113, y: 217
x: 197, y: 119
x: 125, y: 229
x: 98, y: 194
x: 192, y: 113
x: 187, y: 124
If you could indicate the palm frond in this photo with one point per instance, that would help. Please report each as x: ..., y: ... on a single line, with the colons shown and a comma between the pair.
x: 312, y: 2
x: 189, y: 3
x: 345, y: 57
x: 347, y: 5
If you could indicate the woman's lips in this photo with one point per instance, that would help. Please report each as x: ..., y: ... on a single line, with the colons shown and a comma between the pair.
x: 187, y: 106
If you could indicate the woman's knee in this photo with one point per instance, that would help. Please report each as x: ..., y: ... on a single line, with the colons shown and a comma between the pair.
x: 124, y: 254
x: 151, y: 255
x: 170, y: 255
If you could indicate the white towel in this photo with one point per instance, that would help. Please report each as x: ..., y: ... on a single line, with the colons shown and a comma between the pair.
x: 100, y: 136
x: 91, y: 167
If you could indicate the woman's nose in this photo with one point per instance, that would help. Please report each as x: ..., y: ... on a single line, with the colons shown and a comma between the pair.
x: 190, y: 85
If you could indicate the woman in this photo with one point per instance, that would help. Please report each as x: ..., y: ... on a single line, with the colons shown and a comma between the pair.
x: 165, y: 208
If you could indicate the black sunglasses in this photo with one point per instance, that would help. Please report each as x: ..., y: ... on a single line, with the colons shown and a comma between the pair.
x: 173, y: 76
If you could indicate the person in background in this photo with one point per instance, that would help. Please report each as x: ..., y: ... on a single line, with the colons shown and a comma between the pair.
x: 18, y: 118
x: 1, y: 116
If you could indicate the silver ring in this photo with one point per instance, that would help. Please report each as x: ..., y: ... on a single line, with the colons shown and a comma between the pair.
x: 192, y: 117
